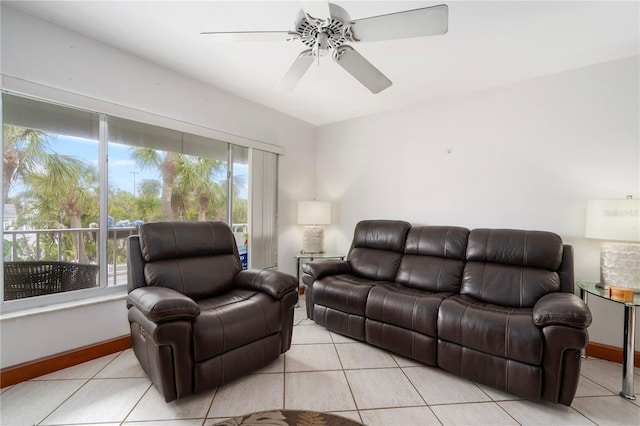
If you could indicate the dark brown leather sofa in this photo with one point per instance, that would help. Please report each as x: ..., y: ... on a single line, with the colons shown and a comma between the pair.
x: 197, y: 319
x: 493, y: 305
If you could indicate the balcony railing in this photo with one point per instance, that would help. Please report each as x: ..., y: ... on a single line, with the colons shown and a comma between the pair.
x: 29, y: 245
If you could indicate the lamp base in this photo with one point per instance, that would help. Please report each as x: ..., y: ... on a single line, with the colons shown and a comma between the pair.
x: 620, y: 266
x: 313, y: 240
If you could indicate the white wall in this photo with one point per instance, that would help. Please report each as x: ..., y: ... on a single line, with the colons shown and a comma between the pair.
x: 38, y: 52
x: 525, y: 156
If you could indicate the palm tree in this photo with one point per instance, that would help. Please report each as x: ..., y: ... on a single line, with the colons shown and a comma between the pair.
x: 62, y: 188
x: 149, y: 188
x: 167, y: 164
x: 188, y: 180
x: 195, y: 177
x: 66, y: 188
x: 23, y: 150
x: 147, y: 202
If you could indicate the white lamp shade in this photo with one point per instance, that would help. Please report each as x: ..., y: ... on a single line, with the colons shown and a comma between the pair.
x: 613, y: 220
x: 314, y: 213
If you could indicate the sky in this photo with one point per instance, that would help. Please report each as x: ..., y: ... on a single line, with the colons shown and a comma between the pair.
x: 122, y: 171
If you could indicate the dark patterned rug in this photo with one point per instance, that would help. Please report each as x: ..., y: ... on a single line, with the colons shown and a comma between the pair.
x: 289, y: 418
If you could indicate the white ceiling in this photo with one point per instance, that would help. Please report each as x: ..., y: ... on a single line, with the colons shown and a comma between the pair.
x: 488, y: 44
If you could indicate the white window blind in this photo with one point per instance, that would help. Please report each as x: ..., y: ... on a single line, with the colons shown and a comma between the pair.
x: 263, y: 172
x: 49, y: 118
x: 128, y: 132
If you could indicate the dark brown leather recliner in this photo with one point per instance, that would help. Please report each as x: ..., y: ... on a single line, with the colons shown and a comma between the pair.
x: 337, y: 291
x: 197, y: 319
x: 402, y: 316
x: 492, y: 305
x: 516, y: 324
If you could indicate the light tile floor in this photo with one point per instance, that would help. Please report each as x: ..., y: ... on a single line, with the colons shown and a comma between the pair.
x: 322, y: 371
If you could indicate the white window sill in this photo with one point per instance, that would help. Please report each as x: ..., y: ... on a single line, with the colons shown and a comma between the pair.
x: 100, y: 296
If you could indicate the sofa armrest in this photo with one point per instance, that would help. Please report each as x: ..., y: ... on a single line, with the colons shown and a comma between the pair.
x: 561, y: 309
x: 162, y: 304
x: 313, y: 271
x: 275, y: 283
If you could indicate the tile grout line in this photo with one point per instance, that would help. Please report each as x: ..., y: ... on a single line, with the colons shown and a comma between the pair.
x: 86, y: 381
x: 346, y: 379
x: 206, y: 416
x: 138, y: 403
x: 79, y: 388
x: 284, y: 376
x: 426, y: 404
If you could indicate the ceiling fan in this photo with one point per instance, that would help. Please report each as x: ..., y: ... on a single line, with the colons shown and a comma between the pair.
x: 325, y: 28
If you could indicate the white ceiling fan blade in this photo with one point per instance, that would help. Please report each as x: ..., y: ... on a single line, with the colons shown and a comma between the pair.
x: 363, y: 71
x: 296, y: 71
x: 316, y: 8
x: 248, y: 35
x: 427, y: 21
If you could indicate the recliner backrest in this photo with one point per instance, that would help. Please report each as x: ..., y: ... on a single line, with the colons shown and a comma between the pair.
x: 511, y: 267
x: 434, y: 258
x: 198, y: 259
x: 377, y: 248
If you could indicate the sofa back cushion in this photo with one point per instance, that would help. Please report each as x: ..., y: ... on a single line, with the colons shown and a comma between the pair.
x: 434, y: 258
x: 511, y: 267
x: 198, y: 259
x: 377, y: 248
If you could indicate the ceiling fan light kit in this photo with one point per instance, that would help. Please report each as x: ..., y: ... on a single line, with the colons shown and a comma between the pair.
x: 328, y: 35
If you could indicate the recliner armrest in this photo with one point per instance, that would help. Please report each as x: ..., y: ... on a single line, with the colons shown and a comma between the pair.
x: 561, y: 309
x: 275, y: 283
x: 315, y: 270
x: 162, y: 304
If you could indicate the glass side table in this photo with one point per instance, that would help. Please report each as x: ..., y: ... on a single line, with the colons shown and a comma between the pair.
x: 628, y: 351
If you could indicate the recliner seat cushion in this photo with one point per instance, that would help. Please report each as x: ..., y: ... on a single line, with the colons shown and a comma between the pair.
x: 346, y: 293
x: 497, y: 330
x: 406, y: 307
x: 232, y: 320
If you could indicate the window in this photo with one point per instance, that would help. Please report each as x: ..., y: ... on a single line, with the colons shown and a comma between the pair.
x: 160, y: 174
x: 51, y: 187
x: 78, y: 183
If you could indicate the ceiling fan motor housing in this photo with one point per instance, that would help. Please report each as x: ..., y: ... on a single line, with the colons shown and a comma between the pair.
x: 327, y: 33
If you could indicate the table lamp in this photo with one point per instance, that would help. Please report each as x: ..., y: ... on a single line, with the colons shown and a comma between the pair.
x: 617, y: 222
x: 313, y: 214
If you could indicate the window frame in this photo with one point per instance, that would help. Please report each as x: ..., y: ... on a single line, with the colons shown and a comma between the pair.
x: 104, y: 110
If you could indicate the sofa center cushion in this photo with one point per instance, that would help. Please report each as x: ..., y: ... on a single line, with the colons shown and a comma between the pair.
x: 346, y: 293
x: 501, y: 331
x: 406, y: 307
x: 231, y: 320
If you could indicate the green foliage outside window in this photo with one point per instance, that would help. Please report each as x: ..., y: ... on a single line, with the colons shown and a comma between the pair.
x: 55, y: 191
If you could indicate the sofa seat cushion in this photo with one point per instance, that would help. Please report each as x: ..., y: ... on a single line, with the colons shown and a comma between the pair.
x: 232, y: 320
x: 406, y: 307
x: 346, y: 293
x: 501, y: 331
